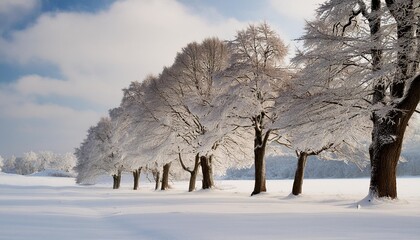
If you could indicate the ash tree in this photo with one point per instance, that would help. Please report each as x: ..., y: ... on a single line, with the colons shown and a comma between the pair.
x: 365, y: 55
x: 252, y: 82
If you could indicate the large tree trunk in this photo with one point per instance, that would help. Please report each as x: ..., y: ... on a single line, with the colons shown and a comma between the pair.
x: 260, y: 143
x: 193, y: 173
x: 206, y: 168
x: 136, y: 177
x: 388, y: 132
x: 165, y: 177
x: 300, y: 170
x: 387, y: 139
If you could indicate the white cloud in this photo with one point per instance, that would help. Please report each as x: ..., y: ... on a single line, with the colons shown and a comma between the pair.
x: 297, y: 9
x: 13, y: 11
x: 97, y: 55
x: 125, y: 43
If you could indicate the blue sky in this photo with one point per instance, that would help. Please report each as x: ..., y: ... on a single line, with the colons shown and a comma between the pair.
x: 63, y: 63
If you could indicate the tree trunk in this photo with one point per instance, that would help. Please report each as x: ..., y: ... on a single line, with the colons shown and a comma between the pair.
x: 387, y: 139
x: 193, y: 173
x: 165, y: 176
x: 193, y: 179
x: 388, y: 132
x: 300, y: 170
x: 384, y: 155
x: 156, y: 176
x: 206, y: 168
x: 119, y: 179
x: 116, y: 180
x: 136, y: 176
x: 260, y: 143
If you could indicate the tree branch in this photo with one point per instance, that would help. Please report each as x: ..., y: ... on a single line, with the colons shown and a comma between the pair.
x: 312, y: 153
x: 350, y: 20
x: 183, y: 165
x: 411, y: 97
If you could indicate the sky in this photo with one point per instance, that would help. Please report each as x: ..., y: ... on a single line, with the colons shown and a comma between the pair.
x: 63, y: 63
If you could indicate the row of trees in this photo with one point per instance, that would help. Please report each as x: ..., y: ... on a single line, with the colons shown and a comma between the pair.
x: 222, y: 103
x: 204, y: 112
x: 32, y: 162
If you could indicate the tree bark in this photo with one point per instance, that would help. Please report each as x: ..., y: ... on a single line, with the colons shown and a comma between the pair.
x: 387, y: 139
x: 193, y: 173
x: 388, y: 132
x: 300, y: 170
x: 165, y: 177
x: 206, y: 168
x: 136, y: 176
x: 260, y: 143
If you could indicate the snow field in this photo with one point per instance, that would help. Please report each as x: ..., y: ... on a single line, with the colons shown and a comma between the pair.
x: 56, y: 208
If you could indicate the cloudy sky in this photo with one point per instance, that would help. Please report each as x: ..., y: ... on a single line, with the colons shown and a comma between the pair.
x: 63, y: 63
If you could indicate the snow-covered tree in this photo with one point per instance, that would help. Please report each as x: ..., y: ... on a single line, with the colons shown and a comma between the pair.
x: 32, y: 162
x: 360, y: 60
x: 98, y: 155
x: 28, y: 164
x: 177, y: 120
x: 253, y: 81
x: 191, y: 83
x: 63, y: 162
x: 9, y: 165
x: 125, y: 120
x: 143, y: 132
x: 120, y: 120
x: 315, y: 122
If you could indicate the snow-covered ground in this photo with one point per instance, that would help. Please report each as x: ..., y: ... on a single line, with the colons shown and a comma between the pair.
x: 37, y: 207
